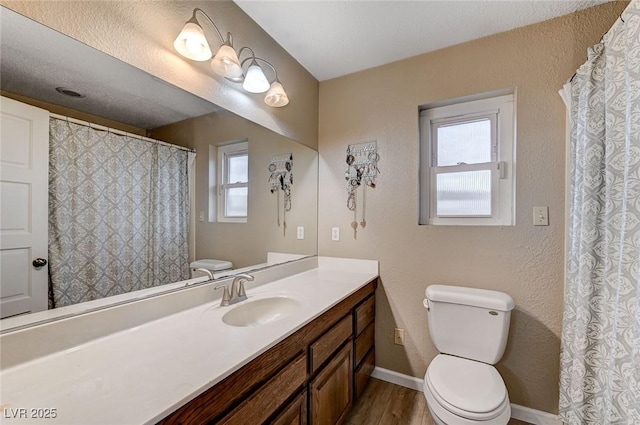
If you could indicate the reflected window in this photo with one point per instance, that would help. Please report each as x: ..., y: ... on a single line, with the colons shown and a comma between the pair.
x: 467, y: 175
x: 233, y: 178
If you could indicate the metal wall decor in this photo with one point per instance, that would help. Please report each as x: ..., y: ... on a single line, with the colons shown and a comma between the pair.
x: 362, y: 170
x: 281, y: 179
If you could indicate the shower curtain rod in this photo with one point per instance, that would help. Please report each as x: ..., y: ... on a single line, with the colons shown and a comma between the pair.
x: 620, y: 19
x: 120, y: 132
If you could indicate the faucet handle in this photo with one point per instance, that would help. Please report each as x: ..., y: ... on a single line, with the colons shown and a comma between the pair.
x: 225, y: 294
x: 240, y: 279
x: 244, y: 276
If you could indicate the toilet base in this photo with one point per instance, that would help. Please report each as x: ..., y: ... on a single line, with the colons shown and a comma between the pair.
x: 442, y: 416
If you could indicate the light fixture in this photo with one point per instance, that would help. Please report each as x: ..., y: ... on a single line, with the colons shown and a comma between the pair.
x: 192, y: 44
x: 255, y: 81
x: 276, y: 96
x: 226, y: 62
x: 70, y: 92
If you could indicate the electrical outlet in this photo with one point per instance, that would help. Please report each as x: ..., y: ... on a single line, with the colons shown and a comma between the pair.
x: 398, y: 336
x: 201, y: 216
x: 540, y: 216
x: 335, y: 234
x: 300, y: 232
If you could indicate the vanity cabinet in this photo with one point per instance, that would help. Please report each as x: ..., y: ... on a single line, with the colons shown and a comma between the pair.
x: 311, y: 377
x: 364, y: 351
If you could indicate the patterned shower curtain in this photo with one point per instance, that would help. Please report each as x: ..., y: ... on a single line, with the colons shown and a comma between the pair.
x: 118, y: 214
x: 600, y: 360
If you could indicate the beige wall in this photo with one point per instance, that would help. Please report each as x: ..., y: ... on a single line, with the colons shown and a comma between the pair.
x: 142, y: 33
x: 247, y: 244
x: 525, y: 261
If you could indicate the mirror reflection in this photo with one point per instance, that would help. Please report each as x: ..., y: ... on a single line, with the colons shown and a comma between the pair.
x: 131, y: 183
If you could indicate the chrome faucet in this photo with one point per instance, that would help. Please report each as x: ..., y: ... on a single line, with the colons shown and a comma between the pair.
x: 237, y: 294
x: 205, y: 271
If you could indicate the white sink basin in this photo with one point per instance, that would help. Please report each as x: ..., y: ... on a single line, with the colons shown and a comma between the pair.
x: 261, y: 311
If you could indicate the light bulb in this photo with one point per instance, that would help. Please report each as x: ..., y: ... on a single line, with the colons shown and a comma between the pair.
x: 276, y: 96
x: 191, y: 42
x: 255, y: 81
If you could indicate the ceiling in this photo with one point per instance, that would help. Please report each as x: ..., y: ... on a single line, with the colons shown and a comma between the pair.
x: 37, y: 59
x: 335, y: 38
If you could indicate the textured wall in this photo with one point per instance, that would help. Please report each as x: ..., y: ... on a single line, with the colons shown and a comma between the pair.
x: 247, y: 243
x: 524, y: 261
x: 142, y: 34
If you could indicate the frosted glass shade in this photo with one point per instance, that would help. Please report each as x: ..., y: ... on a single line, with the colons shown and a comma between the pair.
x: 255, y: 80
x: 192, y: 44
x: 276, y: 96
x: 226, y: 62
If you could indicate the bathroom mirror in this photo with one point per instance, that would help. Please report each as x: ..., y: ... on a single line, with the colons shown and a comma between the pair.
x: 35, y: 60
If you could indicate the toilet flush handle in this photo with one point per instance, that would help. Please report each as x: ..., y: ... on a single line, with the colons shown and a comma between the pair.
x: 425, y: 303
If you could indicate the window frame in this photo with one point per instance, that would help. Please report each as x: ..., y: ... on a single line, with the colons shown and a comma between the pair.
x: 501, y: 111
x: 225, y: 152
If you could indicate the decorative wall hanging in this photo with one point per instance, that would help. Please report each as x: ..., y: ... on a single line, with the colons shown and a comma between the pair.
x: 362, y: 170
x: 281, y: 178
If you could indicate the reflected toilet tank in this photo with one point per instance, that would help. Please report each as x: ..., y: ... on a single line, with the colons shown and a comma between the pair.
x: 213, y: 266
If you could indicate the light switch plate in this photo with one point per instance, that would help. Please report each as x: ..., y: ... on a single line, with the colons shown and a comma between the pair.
x: 540, y: 216
x: 201, y: 216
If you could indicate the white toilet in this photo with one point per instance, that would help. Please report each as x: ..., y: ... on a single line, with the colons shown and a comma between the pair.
x: 469, y: 327
x: 214, y: 266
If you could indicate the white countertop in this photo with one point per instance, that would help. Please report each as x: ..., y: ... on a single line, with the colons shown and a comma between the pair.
x: 142, y: 374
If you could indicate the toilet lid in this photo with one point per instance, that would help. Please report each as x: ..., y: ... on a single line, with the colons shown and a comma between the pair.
x: 470, y: 388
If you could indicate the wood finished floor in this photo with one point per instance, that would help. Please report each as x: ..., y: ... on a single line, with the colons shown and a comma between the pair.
x: 383, y: 403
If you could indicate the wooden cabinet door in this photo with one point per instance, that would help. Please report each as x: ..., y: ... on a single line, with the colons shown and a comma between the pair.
x: 331, y: 391
x: 295, y: 413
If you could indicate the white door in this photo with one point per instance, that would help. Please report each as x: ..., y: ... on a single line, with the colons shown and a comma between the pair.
x: 24, y: 191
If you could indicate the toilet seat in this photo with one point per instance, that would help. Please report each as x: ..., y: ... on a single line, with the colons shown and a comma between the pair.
x: 466, y: 388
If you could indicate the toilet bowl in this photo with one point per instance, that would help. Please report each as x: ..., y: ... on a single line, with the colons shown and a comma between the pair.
x: 469, y: 327
x: 465, y: 392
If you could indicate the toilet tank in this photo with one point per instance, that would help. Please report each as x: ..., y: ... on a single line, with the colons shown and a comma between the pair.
x: 468, y: 322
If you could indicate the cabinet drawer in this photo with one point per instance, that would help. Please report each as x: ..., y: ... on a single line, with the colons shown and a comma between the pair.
x: 365, y: 313
x: 266, y: 400
x: 364, y: 342
x: 328, y: 343
x: 295, y: 413
x: 363, y: 373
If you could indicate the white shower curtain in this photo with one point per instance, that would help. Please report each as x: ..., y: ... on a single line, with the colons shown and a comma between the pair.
x: 600, y: 360
x: 118, y: 213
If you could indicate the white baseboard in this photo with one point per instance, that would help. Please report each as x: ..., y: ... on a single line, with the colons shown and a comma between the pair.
x: 533, y: 416
x: 397, y: 378
x: 526, y: 414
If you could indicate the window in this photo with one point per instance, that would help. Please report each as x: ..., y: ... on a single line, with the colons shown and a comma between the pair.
x: 467, y: 163
x: 233, y: 189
